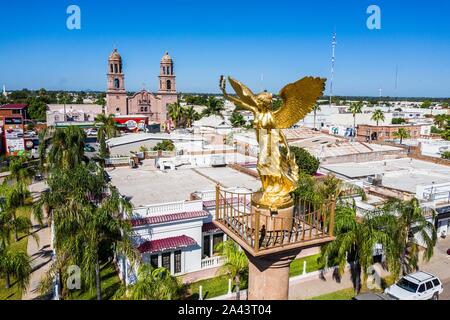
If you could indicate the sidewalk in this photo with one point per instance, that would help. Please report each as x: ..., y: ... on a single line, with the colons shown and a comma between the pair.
x: 317, y: 286
x: 40, y: 253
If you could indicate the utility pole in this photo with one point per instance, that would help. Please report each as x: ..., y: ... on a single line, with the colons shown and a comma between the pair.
x: 379, y: 101
x: 333, y: 47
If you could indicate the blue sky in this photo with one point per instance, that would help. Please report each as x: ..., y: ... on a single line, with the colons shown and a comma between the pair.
x: 283, y: 40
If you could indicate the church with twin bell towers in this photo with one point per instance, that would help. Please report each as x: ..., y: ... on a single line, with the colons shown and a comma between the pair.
x: 153, y: 105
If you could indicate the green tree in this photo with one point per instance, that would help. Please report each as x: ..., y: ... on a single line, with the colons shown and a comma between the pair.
x: 315, y: 109
x: 237, y: 119
x: 401, y: 134
x: 398, y: 121
x: 236, y: 263
x: 101, y: 101
x: 106, y: 126
x: 15, y: 263
x: 378, y: 116
x: 20, y: 170
x: 79, y: 99
x: 355, y: 108
x: 441, y: 120
x: 152, y: 284
x: 175, y: 112
x: 355, y: 242
x: 446, y: 134
x: 445, y: 155
x: 305, y: 161
x: 276, y: 104
x: 165, y: 145
x: 214, y: 106
x: 37, y: 108
x: 190, y: 115
x: 67, y: 147
x: 426, y: 104
x: 407, y: 223
x: 89, y: 218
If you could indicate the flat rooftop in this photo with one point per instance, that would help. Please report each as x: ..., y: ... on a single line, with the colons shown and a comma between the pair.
x: 401, y: 174
x: 148, y: 186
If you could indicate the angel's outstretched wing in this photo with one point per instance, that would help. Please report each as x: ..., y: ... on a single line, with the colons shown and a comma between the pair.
x: 244, y: 93
x: 298, y: 100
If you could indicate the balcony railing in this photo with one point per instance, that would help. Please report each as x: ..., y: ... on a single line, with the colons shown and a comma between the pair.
x: 259, y: 232
x: 213, y: 262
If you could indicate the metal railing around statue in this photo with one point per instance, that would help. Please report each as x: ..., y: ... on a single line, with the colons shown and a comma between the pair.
x: 310, y: 222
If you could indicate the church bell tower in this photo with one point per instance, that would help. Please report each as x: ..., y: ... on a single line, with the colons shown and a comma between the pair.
x: 116, y: 96
x: 166, y: 76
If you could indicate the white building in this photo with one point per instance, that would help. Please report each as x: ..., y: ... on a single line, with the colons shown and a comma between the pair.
x: 403, y: 179
x: 172, y: 221
x: 72, y: 112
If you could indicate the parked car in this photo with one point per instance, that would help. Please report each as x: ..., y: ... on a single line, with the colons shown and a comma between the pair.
x: 91, y: 132
x: 106, y: 176
x: 89, y: 148
x: 416, y: 286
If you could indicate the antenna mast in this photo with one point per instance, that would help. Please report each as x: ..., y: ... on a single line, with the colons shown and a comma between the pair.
x: 333, y: 46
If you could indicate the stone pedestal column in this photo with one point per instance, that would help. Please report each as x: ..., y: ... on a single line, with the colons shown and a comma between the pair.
x: 269, y: 275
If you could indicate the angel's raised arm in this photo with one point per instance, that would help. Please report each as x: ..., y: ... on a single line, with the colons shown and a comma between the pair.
x: 238, y: 102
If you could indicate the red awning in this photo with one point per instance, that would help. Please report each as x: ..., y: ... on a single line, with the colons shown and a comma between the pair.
x: 166, y: 244
x: 13, y: 106
x: 169, y: 218
x: 210, y: 227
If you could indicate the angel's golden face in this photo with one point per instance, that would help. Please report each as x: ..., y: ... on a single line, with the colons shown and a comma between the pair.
x: 266, y: 99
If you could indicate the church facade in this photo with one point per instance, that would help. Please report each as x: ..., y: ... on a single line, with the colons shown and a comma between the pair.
x: 143, y: 102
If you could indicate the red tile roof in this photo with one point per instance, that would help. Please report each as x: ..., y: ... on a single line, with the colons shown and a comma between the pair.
x: 166, y: 244
x: 169, y: 218
x: 13, y: 106
x: 210, y: 227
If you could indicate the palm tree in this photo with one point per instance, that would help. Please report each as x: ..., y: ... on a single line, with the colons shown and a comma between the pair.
x: 87, y: 215
x: 67, y: 148
x: 106, y: 225
x: 355, y: 107
x: 237, y: 119
x: 13, y: 262
x: 316, y: 108
x: 45, y: 136
x: 175, y: 111
x: 410, y: 229
x: 358, y: 239
x: 214, y: 106
x: 14, y: 197
x: 377, y: 116
x: 323, y: 190
x: 441, y: 119
x: 236, y: 264
x: 190, y: 115
x: 20, y: 170
x: 152, y: 284
x: 401, y: 134
x: 107, y: 126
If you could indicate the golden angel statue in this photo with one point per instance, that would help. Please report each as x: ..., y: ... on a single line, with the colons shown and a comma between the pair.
x: 278, y: 171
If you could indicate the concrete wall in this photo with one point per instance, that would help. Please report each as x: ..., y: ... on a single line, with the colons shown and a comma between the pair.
x: 365, y: 157
x: 124, y: 149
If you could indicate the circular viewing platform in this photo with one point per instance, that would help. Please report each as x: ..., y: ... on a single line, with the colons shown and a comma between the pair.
x: 262, y: 231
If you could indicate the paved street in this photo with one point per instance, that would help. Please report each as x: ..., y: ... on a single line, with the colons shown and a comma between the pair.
x: 439, y: 265
x: 446, y: 294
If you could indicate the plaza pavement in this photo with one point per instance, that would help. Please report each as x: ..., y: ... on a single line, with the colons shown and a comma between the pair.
x: 39, y: 251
